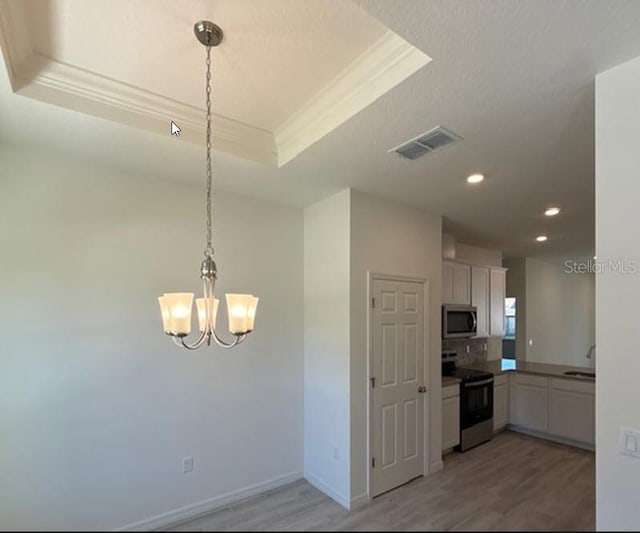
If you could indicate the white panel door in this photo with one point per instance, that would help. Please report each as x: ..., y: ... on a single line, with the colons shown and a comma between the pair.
x: 498, y: 291
x: 398, y: 373
x: 480, y: 298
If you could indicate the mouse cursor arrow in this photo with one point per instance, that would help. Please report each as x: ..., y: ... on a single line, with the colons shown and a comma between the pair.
x: 175, y: 130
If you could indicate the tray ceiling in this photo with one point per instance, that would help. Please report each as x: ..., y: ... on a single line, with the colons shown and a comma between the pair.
x: 287, y: 73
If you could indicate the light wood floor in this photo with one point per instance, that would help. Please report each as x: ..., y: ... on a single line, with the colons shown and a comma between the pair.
x: 513, y: 482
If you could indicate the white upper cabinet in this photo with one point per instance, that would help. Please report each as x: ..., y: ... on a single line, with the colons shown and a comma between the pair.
x: 480, y: 297
x: 484, y: 287
x: 497, y: 285
x: 456, y: 283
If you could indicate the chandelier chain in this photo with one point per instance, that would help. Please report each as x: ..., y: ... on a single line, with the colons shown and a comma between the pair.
x: 209, y: 250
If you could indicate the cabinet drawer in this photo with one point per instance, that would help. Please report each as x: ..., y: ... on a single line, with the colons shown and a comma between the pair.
x: 501, y: 379
x: 585, y: 387
x: 450, y: 391
x: 530, y: 379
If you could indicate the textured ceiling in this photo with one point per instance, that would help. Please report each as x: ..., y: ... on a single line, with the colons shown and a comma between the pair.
x: 514, y: 79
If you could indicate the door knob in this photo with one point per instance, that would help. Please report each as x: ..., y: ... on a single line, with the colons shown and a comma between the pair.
x: 422, y: 389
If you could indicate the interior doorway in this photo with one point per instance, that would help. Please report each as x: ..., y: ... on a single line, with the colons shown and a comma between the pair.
x: 397, y: 376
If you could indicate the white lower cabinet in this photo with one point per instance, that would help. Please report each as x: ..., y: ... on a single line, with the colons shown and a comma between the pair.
x: 555, y: 408
x: 450, y: 416
x: 572, y: 410
x: 558, y: 408
x: 530, y: 402
x: 500, y: 402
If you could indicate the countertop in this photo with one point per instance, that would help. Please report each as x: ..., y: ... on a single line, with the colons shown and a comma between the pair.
x: 449, y: 380
x: 502, y: 366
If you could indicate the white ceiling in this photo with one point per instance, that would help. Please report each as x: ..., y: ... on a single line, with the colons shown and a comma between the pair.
x: 263, y: 41
x: 514, y: 79
x: 286, y: 74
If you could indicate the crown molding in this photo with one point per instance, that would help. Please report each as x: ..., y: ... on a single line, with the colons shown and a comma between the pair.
x: 68, y: 86
x: 386, y: 63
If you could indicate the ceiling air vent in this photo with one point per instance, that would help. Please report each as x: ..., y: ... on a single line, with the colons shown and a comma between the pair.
x: 425, y: 143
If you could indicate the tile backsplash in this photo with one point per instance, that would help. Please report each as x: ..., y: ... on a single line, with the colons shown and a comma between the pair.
x: 477, y: 350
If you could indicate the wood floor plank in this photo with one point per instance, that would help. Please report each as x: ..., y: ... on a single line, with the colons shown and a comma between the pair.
x: 512, y: 483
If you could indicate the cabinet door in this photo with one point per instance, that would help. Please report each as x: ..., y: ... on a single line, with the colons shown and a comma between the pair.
x: 480, y: 297
x: 500, y: 406
x: 450, y: 422
x: 498, y: 291
x: 572, y: 415
x: 461, y: 284
x: 530, y: 406
x: 447, y: 283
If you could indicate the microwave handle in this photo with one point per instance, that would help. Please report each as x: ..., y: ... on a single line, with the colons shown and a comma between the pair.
x: 474, y: 324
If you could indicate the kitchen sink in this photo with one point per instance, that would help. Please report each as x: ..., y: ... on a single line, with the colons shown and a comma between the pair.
x: 578, y: 374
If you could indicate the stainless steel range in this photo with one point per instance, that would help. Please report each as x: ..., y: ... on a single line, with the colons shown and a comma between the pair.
x: 476, y: 402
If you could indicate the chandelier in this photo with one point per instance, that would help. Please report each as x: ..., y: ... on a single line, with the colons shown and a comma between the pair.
x: 176, y: 306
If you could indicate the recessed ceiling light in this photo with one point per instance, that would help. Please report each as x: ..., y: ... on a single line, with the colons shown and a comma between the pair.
x: 475, y: 178
x: 541, y: 238
x: 552, y: 211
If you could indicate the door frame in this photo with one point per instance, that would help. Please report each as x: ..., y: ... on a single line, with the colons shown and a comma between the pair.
x: 371, y: 277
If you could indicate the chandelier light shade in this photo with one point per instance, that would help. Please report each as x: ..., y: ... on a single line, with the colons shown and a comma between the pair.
x: 176, y: 307
x: 202, y: 311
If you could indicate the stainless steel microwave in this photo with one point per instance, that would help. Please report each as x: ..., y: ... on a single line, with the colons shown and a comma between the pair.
x: 459, y: 321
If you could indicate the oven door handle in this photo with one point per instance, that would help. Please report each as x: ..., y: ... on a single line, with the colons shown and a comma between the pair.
x: 471, y: 384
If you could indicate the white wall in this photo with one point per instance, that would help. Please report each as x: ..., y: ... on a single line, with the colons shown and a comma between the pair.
x: 452, y: 249
x: 477, y: 255
x: 617, y: 294
x: 391, y: 238
x: 326, y: 371
x: 448, y: 246
x: 97, y: 406
x: 559, y: 314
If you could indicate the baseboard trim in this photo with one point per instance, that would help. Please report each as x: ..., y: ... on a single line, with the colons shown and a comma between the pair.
x: 323, y: 487
x: 546, y: 436
x: 436, y: 466
x: 195, y: 510
x: 359, y: 501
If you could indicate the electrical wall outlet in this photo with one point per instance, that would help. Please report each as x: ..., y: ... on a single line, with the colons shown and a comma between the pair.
x: 187, y: 464
x: 530, y: 342
x: 336, y: 453
x: 467, y: 348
